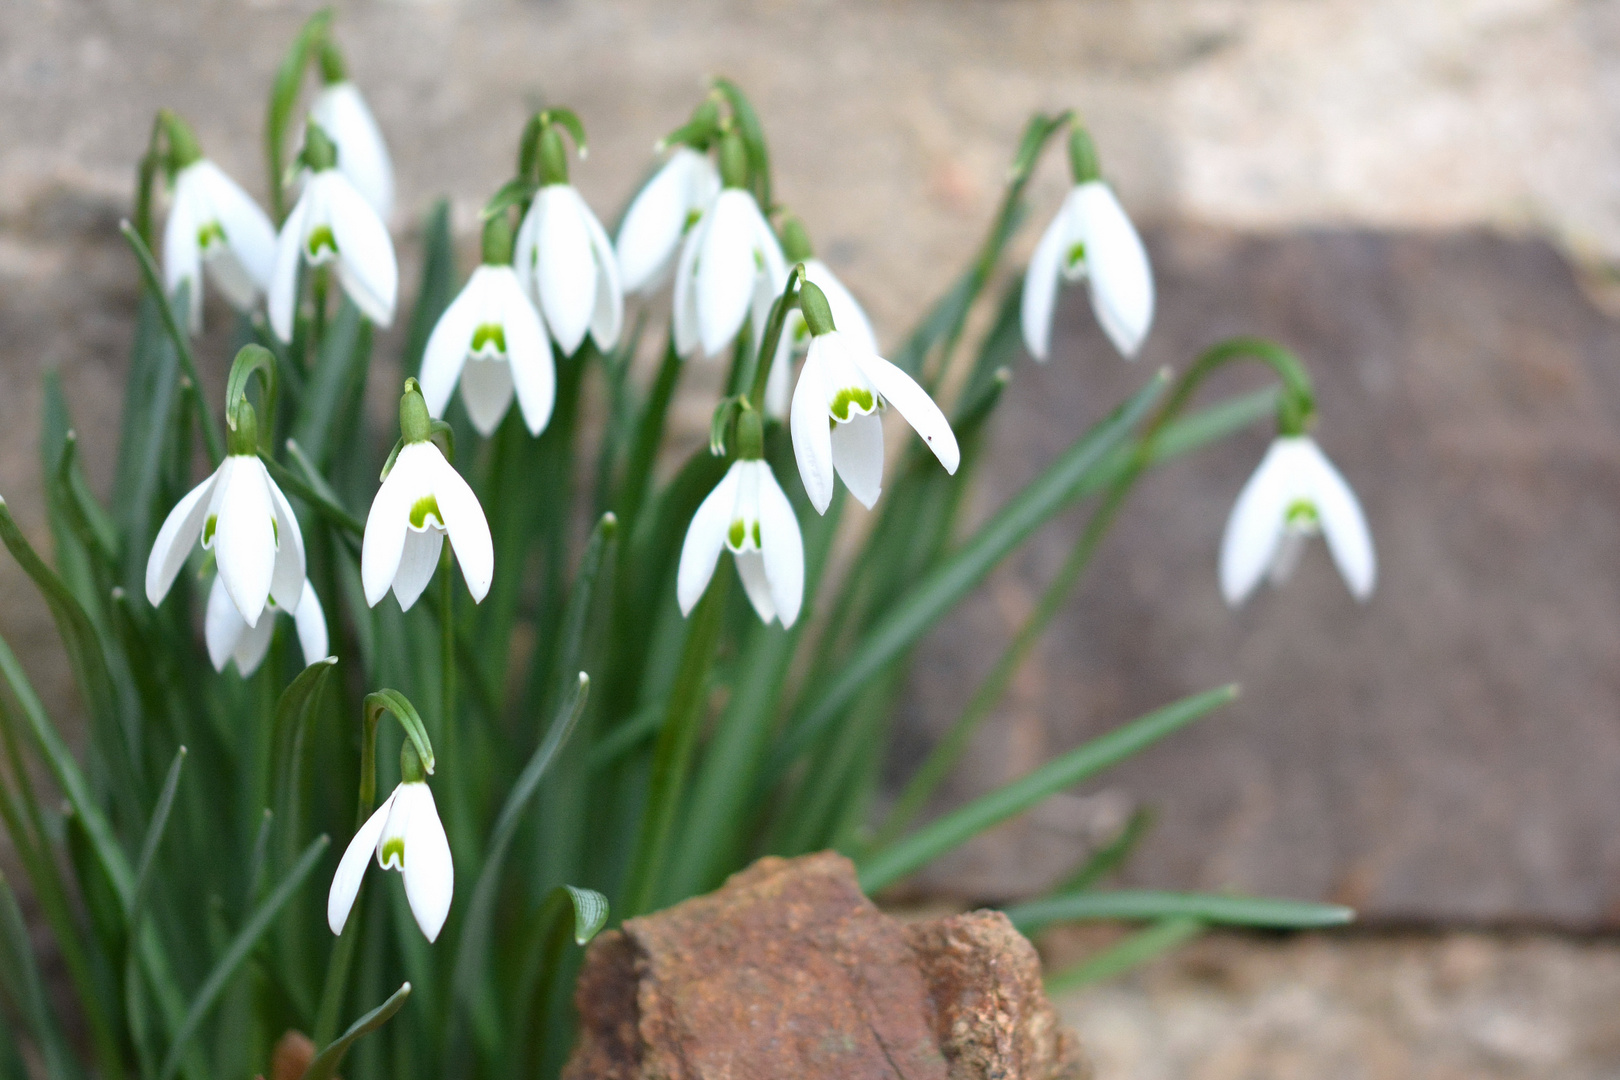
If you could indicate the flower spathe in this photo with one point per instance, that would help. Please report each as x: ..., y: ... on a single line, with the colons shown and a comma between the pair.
x: 567, y: 265
x: 332, y: 223
x: 213, y: 223
x: 662, y: 212
x: 362, y: 155
x: 847, y: 314
x: 242, y: 516
x: 229, y: 637
x: 1294, y: 494
x: 422, y: 500
x: 748, y: 514
x: 731, y: 267
x: 1090, y: 238
x: 404, y: 834
x: 836, y: 425
x: 493, y: 341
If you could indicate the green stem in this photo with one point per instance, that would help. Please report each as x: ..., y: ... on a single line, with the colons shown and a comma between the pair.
x: 773, y: 337
x: 673, y: 755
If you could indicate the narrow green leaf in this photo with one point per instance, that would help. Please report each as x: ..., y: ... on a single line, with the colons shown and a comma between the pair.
x: 1266, y: 913
x: 892, y: 863
x: 1112, y: 855
x: 436, y: 288
x: 149, y: 427
x: 248, y: 937
x: 322, y: 498
x: 325, y: 1065
x: 19, y: 975
x: 917, y: 612
x: 154, y: 835
x: 330, y: 402
x: 1135, y: 950
x: 283, y: 99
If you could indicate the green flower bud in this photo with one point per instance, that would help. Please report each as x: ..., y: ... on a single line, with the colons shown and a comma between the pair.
x: 733, y: 161
x: 244, y: 437
x: 1083, y: 163
x: 410, y: 764
x: 750, y: 435
x: 553, y: 156
x: 796, y: 242
x: 183, y: 147
x: 415, y: 425
x: 320, y: 152
x: 498, y: 240
x: 817, y: 314
x: 333, y: 69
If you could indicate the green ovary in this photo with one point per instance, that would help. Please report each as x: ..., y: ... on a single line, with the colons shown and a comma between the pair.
x: 489, y: 334
x: 210, y: 234
x: 394, y: 851
x: 425, y: 507
x: 321, y: 237
x: 852, y: 395
x: 208, y: 529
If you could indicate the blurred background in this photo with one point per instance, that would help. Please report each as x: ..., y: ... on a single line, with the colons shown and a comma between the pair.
x: 1423, y: 200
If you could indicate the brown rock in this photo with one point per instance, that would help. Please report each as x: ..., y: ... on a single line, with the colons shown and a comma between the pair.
x: 790, y: 971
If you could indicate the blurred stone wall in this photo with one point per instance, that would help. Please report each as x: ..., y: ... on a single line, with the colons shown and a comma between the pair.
x: 1450, y: 751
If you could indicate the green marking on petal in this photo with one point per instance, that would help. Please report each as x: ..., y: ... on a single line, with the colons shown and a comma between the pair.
x: 489, y: 334
x: 208, y: 530
x: 425, y: 507
x: 1077, y: 254
x: 851, y: 395
x: 393, y: 850
x: 738, y: 533
x: 759, y: 260
x: 692, y: 218
x: 275, y: 533
x: 321, y: 237
x: 211, y: 234
x: 757, y: 542
x: 1302, y: 512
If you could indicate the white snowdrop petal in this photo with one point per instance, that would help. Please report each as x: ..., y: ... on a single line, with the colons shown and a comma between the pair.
x: 726, y: 271
x: 468, y: 528
x: 808, y: 419
x: 751, y: 569
x: 1120, y: 280
x: 1344, y: 525
x: 913, y: 402
x: 565, y: 274
x: 430, y: 875
x: 1255, y: 526
x: 342, y: 113
x: 281, y: 301
x: 705, y: 537
x: 857, y: 454
x: 222, y: 625
x: 1041, y: 281
x: 309, y: 619
x: 383, y: 544
x: 416, y: 565
x: 352, y: 867
x: 848, y: 315
x: 486, y: 392
x: 248, y: 231
x: 684, y: 315
x: 366, y: 267
x: 182, y: 256
x: 179, y: 532
x: 448, y: 345
x: 287, y: 582
x: 779, y: 383
x: 607, y: 318
x: 533, y: 371
x: 782, y: 548
x: 254, y: 643
x: 653, y: 225
x: 245, y: 539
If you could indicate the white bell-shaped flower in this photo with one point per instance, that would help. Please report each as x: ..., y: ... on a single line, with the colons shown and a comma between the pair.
x: 847, y: 314
x: 660, y: 215
x: 422, y: 500
x: 731, y: 267
x: 342, y: 113
x: 242, y: 516
x: 230, y: 638
x: 748, y: 514
x: 404, y: 834
x: 1294, y: 494
x: 213, y: 223
x: 1090, y: 238
x: 566, y: 263
x: 493, y: 341
x: 332, y: 223
x: 835, y: 416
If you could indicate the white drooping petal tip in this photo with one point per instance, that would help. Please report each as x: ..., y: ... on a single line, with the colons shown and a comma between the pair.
x: 352, y: 867
x: 1117, y: 270
x: 430, y: 875
x: 705, y: 537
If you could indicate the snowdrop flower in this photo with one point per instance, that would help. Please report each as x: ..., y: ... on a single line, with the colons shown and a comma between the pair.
x: 1294, y: 494
x: 730, y: 267
x: 1090, y: 238
x: 662, y: 213
x: 847, y: 314
x: 566, y: 263
x: 213, y: 223
x: 362, y: 155
x: 242, y: 516
x: 333, y: 223
x: 422, y: 499
x: 747, y: 514
x: 404, y: 834
x: 835, y: 423
x: 229, y: 636
x: 494, y: 342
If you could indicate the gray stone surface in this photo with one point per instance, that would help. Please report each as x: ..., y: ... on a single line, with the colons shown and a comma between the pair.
x: 1451, y: 751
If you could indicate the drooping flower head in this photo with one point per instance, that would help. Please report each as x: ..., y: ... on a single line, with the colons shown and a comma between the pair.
x: 493, y: 341
x: 212, y: 224
x: 343, y: 115
x: 847, y: 314
x: 332, y: 223
x: 229, y: 637
x: 836, y: 414
x: 422, y: 500
x: 564, y: 258
x: 731, y: 266
x: 661, y: 214
x: 1091, y: 239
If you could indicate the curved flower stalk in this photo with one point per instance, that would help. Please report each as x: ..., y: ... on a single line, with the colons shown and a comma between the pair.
x: 229, y: 637
x: 333, y: 223
x: 731, y: 266
x: 422, y: 500
x: 847, y: 314
x: 663, y: 211
x: 404, y: 834
x: 342, y: 113
x: 243, y: 518
x: 1293, y: 495
x: 835, y: 414
x: 564, y: 258
x: 212, y: 223
x: 493, y: 342
x: 747, y: 514
x: 1092, y: 239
